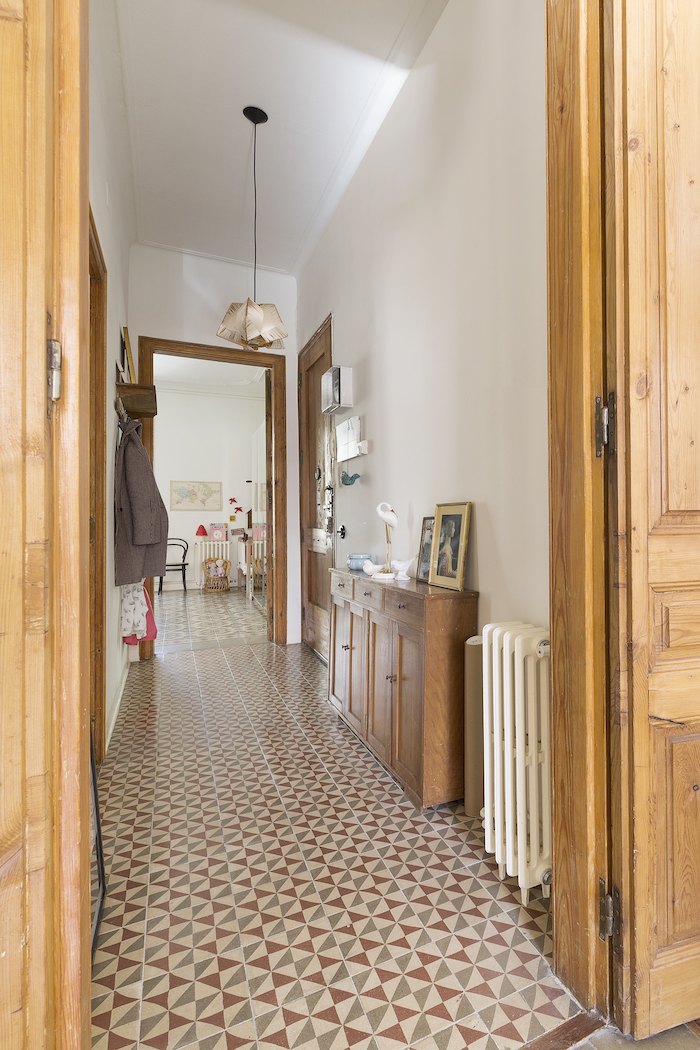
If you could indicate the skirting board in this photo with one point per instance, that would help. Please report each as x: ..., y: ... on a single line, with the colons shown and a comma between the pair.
x: 117, y: 705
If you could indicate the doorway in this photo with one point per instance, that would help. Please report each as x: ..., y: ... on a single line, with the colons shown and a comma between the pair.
x: 275, y: 492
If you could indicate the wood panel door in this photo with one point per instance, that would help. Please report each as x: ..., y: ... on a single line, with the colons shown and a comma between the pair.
x: 316, y: 459
x: 407, y: 707
x: 379, y: 674
x: 653, y: 140
x: 355, y: 707
x: 44, y: 514
x: 338, y: 658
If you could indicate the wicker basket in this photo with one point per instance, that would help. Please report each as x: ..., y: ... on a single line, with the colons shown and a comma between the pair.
x: 214, y: 582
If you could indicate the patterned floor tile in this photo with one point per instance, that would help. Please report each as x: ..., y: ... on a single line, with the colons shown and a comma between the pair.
x: 523, y: 1016
x: 269, y: 885
x: 411, y: 997
x: 332, y: 1019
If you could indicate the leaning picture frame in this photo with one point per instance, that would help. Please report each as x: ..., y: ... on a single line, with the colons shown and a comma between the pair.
x: 425, y: 549
x: 449, y: 548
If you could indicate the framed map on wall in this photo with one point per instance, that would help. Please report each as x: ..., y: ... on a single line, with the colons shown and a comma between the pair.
x: 195, y: 495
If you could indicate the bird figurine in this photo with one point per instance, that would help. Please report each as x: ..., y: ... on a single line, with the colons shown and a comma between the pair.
x: 388, y: 515
x: 370, y: 568
x: 348, y: 479
x: 402, y: 568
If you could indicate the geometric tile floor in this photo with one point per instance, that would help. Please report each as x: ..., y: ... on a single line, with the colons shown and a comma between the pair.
x: 270, y: 886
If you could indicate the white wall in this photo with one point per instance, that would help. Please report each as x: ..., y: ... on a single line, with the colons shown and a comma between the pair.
x: 200, y: 437
x: 434, y: 269
x: 112, y: 203
x: 174, y: 295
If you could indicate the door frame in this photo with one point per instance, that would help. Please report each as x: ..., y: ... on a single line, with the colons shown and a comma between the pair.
x: 326, y: 325
x: 576, y: 100
x: 276, y: 363
x: 98, y: 463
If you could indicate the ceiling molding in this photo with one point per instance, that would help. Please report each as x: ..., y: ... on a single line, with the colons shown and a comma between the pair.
x: 204, y: 390
x: 217, y: 258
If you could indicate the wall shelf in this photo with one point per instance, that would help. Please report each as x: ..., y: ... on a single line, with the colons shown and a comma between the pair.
x: 139, y: 400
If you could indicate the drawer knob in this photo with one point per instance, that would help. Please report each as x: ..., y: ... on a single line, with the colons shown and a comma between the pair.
x: 401, y: 606
x: 367, y: 594
x: 345, y: 647
x: 391, y: 678
x: 341, y: 585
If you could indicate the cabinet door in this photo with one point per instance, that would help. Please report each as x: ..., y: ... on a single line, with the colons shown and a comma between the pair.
x: 407, y: 715
x: 354, y: 709
x: 338, y: 653
x: 379, y: 686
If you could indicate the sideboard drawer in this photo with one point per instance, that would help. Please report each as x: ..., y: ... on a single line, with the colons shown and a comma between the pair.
x: 404, y: 607
x: 369, y: 594
x: 341, y: 585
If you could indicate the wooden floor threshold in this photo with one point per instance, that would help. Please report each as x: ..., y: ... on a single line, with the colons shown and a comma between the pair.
x: 567, y: 1034
x: 694, y: 1027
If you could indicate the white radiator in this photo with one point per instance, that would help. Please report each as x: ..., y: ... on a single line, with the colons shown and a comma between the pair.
x: 209, y: 549
x: 517, y: 753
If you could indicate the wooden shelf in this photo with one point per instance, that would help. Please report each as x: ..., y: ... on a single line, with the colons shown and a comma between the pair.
x: 139, y: 400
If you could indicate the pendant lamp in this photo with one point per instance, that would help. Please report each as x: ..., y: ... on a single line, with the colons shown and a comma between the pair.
x: 253, y: 324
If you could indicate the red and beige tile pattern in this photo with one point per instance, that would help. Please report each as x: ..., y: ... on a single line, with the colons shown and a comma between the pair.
x: 270, y: 886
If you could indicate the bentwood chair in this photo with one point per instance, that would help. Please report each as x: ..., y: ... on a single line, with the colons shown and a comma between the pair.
x: 176, y: 566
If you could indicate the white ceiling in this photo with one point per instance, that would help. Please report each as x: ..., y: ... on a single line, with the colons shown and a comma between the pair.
x: 215, y: 377
x: 326, y: 72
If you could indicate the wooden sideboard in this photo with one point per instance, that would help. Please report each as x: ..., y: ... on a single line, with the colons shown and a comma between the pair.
x: 396, y: 676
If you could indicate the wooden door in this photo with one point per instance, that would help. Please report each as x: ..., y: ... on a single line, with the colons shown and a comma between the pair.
x: 316, y: 454
x: 379, y: 674
x: 338, y: 654
x: 653, y: 140
x: 407, y: 707
x: 354, y: 709
x: 44, y: 513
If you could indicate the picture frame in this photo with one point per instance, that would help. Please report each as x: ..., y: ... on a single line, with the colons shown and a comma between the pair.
x: 218, y: 532
x: 129, y: 358
x: 425, y: 549
x: 449, y: 548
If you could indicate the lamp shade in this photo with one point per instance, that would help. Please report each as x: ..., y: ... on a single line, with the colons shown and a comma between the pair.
x: 201, y: 531
x: 253, y: 324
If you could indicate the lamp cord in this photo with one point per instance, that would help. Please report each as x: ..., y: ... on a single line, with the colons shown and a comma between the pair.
x: 255, y: 214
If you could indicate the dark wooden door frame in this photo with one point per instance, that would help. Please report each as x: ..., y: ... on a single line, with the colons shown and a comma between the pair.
x: 326, y: 324
x: 98, y: 463
x: 148, y: 346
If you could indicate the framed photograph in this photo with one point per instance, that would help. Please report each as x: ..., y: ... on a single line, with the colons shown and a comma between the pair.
x: 426, y: 546
x: 450, y: 535
x: 195, y: 495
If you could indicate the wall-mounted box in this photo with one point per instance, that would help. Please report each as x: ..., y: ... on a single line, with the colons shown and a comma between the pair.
x: 336, y: 389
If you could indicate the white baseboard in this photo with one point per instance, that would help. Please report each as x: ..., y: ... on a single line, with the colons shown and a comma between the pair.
x: 115, y: 711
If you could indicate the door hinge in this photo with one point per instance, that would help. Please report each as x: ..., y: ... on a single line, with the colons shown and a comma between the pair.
x: 605, y: 426
x: 303, y: 612
x: 610, y: 916
x: 302, y: 535
x: 301, y: 378
x: 54, y: 366
x: 301, y: 457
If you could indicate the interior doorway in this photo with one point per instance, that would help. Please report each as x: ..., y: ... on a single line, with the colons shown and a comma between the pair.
x: 270, y: 534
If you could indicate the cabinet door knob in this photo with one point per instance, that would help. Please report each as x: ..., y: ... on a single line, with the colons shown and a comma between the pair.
x: 391, y: 678
x: 367, y: 594
x: 345, y: 647
x: 401, y: 606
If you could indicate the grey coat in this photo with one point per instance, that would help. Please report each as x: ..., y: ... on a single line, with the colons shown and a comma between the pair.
x: 141, y: 520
